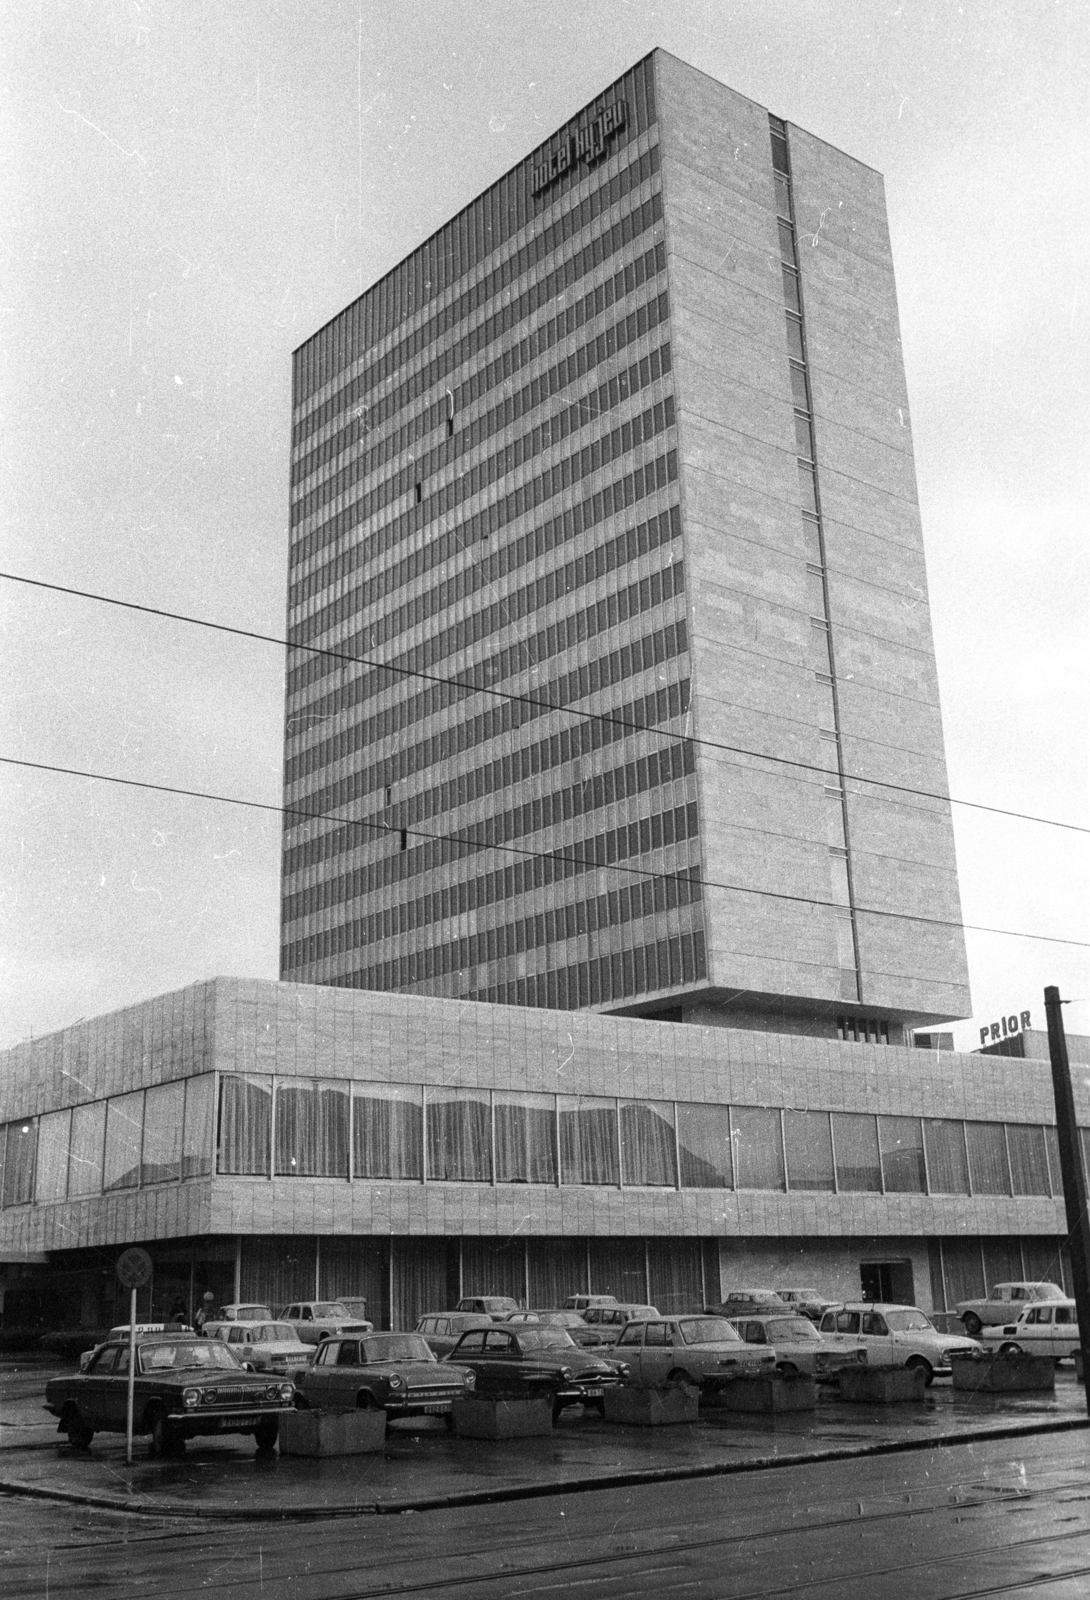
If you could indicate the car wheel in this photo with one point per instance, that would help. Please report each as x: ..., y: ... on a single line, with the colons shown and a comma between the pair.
x: 918, y: 1364
x: 267, y: 1432
x: 301, y: 1402
x: 558, y: 1406
x: 365, y: 1401
x: 787, y: 1369
x: 1010, y: 1348
x: 679, y: 1375
x: 79, y: 1434
x: 165, y: 1439
x: 972, y: 1324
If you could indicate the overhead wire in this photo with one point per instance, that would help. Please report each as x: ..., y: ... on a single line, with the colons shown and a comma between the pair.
x: 472, y: 844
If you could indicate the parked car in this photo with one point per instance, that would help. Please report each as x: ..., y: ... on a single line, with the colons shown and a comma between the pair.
x: 1044, y: 1327
x: 441, y: 1330
x: 489, y: 1305
x: 1003, y: 1304
x: 583, y: 1302
x: 355, y: 1305
x: 122, y: 1332
x: 532, y: 1360
x: 898, y: 1336
x: 315, y: 1320
x: 242, y: 1311
x: 573, y: 1322
x: 701, y: 1350
x: 740, y: 1302
x: 265, y: 1346
x: 799, y: 1347
x: 392, y: 1372
x: 608, y: 1321
x: 183, y: 1386
x: 806, y: 1302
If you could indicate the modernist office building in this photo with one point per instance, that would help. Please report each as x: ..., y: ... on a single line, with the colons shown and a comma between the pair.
x: 613, y: 657
x: 611, y: 706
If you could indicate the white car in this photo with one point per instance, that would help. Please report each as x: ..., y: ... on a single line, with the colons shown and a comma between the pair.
x: 705, y: 1351
x: 1003, y: 1304
x: 799, y: 1347
x: 898, y: 1336
x: 265, y: 1346
x: 315, y: 1320
x: 1045, y: 1328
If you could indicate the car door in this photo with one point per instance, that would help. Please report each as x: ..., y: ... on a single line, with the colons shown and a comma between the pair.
x: 1066, y: 1331
x: 658, y: 1352
x: 320, y: 1381
x: 91, y: 1392
x: 1040, y: 1330
x: 629, y: 1347
x: 115, y: 1391
x: 879, y: 1340
x: 502, y: 1356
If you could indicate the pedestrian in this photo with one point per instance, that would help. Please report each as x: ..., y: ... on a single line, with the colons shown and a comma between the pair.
x: 204, y: 1315
x: 179, y: 1315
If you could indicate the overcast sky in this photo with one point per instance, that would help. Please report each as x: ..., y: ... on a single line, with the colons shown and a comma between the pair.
x: 196, y: 187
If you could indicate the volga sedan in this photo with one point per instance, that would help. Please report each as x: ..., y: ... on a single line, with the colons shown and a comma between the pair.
x: 705, y: 1351
x: 527, y: 1360
x: 265, y: 1346
x: 183, y: 1386
x: 392, y: 1372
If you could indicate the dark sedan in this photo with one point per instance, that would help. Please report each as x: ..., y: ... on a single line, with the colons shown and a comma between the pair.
x: 573, y: 1323
x: 534, y: 1360
x: 391, y: 1372
x: 183, y: 1386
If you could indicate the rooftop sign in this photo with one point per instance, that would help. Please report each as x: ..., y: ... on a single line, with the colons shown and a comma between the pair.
x: 1005, y: 1028
x: 589, y: 145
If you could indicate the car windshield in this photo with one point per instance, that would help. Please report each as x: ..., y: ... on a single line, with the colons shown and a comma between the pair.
x: 794, y: 1328
x: 708, y: 1330
x: 251, y: 1314
x: 908, y: 1322
x: 355, y: 1308
x: 396, y: 1347
x: 181, y: 1357
x: 273, y: 1332
x: 545, y: 1339
x: 1047, y: 1291
x: 330, y: 1308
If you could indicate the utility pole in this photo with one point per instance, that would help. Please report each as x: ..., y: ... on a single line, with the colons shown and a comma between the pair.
x: 1073, y: 1173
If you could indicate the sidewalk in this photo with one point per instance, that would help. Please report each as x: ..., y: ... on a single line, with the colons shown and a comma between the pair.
x: 424, y: 1468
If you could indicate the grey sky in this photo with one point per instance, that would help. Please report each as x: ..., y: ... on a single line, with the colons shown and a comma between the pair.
x: 196, y: 187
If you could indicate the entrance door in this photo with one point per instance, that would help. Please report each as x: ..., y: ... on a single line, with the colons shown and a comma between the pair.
x: 889, y: 1281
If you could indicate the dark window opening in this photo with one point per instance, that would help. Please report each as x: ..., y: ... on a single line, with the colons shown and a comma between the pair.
x: 404, y: 838
x: 419, y: 493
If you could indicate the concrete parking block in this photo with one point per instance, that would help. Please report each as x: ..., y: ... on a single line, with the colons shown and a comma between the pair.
x: 771, y: 1395
x: 332, y: 1433
x: 652, y: 1408
x: 883, y: 1387
x: 476, y: 1417
x: 999, y: 1374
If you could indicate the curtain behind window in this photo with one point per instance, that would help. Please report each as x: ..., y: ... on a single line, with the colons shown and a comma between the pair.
x: 902, y: 1155
x: 124, y: 1130
x: 809, y: 1150
x: 758, y: 1147
x: 947, y: 1164
x: 311, y: 1128
x: 164, y: 1116
x: 85, y: 1149
x: 197, y: 1138
x: 1029, y: 1164
x: 647, y: 1143
x: 963, y: 1270
x: 387, y: 1131
x: 525, y: 1137
x: 855, y: 1140
x: 459, y: 1124
x: 703, y: 1136
x: 19, y: 1154
x: 245, y: 1125
x: 1052, y: 1145
x: 51, y: 1181
x: 987, y: 1158
x: 588, y: 1140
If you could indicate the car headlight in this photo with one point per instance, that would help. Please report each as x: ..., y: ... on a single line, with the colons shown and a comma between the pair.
x: 284, y: 1392
x: 192, y: 1397
x: 623, y: 1368
x: 727, y: 1361
x: 396, y: 1381
x: 470, y: 1380
x: 566, y: 1374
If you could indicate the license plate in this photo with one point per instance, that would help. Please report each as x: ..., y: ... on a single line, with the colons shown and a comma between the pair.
x: 239, y: 1422
x: 593, y: 1394
x: 436, y: 1410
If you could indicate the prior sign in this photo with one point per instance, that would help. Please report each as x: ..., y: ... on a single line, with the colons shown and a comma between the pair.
x: 1005, y: 1028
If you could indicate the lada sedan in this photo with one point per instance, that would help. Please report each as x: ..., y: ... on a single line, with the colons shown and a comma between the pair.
x: 610, y: 1321
x: 442, y: 1329
x: 183, y: 1386
x: 495, y: 1306
x: 806, y: 1302
x: 799, y: 1347
x: 574, y: 1323
x: 705, y: 1351
x: 1045, y: 1328
x: 265, y: 1346
x: 315, y: 1320
x: 530, y: 1360
x: 1004, y: 1304
x: 898, y: 1336
x: 391, y: 1372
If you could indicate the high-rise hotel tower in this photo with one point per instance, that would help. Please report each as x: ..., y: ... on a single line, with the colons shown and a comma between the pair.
x: 612, y: 682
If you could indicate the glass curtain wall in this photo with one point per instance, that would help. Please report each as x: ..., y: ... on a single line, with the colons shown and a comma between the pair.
x: 947, y: 1162
x: 809, y: 1145
x: 51, y: 1181
x: 387, y: 1131
x: 459, y: 1124
x: 197, y: 1138
x: 703, y: 1136
x: 1029, y: 1162
x: 855, y: 1139
x: 648, y: 1156
x: 164, y: 1124
x: 588, y: 1140
x: 124, y: 1137
x: 901, y: 1143
x: 311, y: 1123
x: 525, y: 1131
x: 758, y: 1147
x: 988, y: 1168
x: 85, y: 1151
x: 245, y: 1125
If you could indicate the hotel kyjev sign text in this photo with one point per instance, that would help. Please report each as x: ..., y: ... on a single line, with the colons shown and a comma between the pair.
x: 589, y: 144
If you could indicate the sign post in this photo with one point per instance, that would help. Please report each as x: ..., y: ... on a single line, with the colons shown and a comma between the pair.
x: 1074, y: 1177
x: 134, y: 1268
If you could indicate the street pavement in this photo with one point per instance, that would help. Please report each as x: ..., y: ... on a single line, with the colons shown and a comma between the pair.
x: 423, y: 1467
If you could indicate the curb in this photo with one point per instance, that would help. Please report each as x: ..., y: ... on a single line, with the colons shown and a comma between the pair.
x: 534, y: 1491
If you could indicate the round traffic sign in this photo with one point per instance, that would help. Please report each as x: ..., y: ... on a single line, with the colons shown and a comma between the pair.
x: 134, y: 1267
